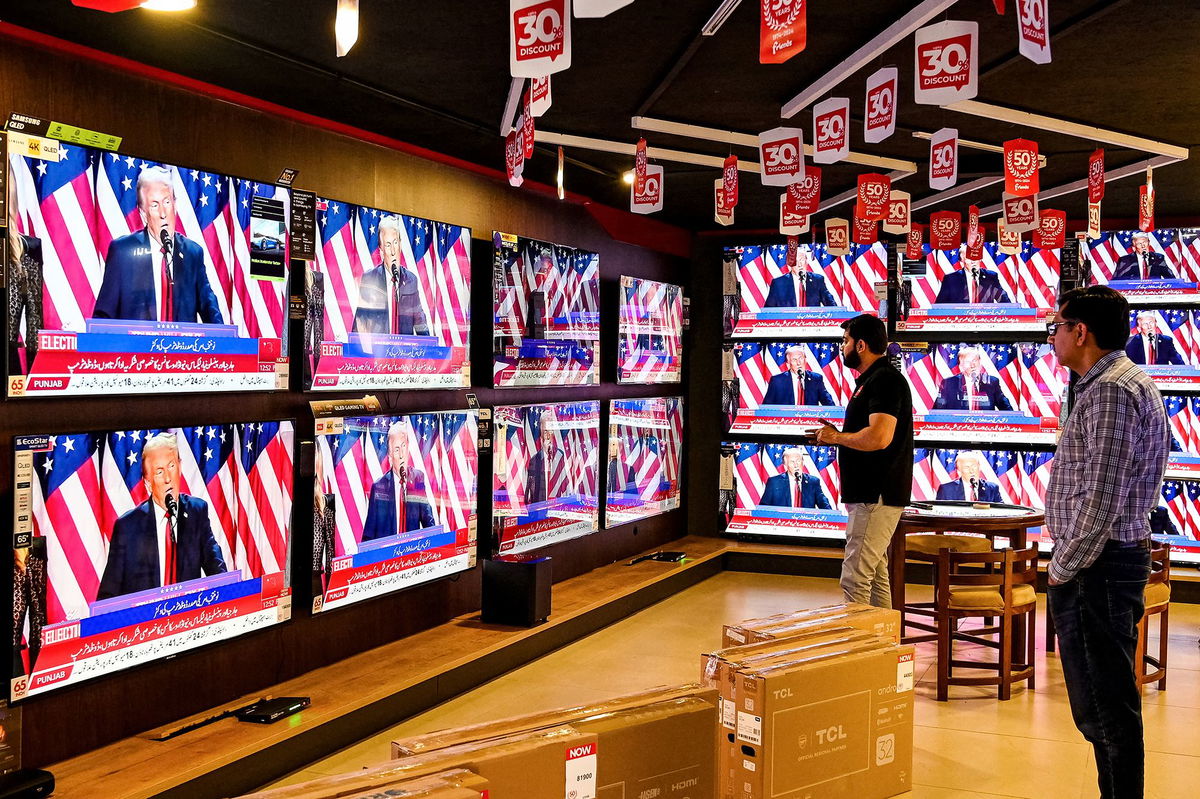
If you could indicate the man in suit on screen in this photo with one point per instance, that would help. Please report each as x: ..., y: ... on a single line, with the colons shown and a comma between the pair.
x: 535, y: 468
x: 1142, y: 263
x: 156, y: 274
x: 800, y: 286
x: 389, y: 300
x: 1148, y: 347
x: 399, y: 502
x: 970, y: 485
x: 796, y: 385
x: 793, y: 488
x: 972, y: 389
x: 165, y: 540
x: 971, y: 283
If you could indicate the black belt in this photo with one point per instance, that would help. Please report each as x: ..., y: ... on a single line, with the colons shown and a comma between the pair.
x: 1113, y: 543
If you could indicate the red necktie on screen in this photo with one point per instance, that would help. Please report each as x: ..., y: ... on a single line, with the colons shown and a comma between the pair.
x: 796, y: 492
x: 166, y: 312
x: 395, y: 300
x: 401, y: 502
x: 1149, y: 350
x: 1142, y: 266
x: 973, y: 384
x: 169, y: 552
x: 973, y: 288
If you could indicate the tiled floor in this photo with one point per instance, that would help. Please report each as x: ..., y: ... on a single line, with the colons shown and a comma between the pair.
x: 971, y: 746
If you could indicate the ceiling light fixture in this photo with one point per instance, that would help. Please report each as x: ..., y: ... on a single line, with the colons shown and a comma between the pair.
x: 719, y: 16
x: 345, y: 26
x: 628, y: 177
x: 168, y: 5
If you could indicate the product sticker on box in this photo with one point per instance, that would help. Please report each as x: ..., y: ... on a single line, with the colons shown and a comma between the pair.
x: 581, y: 772
x: 904, y: 672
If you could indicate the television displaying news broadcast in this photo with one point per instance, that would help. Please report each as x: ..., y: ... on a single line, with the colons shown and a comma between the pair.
x: 1165, y: 342
x: 782, y: 490
x: 546, y: 326
x: 1183, y: 414
x: 394, y: 503
x: 1159, y: 266
x: 388, y: 301
x: 808, y: 299
x: 947, y: 291
x: 788, y: 387
x: 545, y: 479
x: 1177, y: 519
x: 645, y: 444
x: 133, y: 276
x: 650, y: 348
x: 986, y: 392
x: 135, y: 545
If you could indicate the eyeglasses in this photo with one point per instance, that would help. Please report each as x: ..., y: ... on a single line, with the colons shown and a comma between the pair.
x: 1052, y: 327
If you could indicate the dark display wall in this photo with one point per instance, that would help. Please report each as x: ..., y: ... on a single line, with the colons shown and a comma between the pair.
x: 169, y: 123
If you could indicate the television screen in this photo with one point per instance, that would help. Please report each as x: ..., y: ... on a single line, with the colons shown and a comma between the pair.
x: 388, y: 302
x: 134, y: 545
x: 1148, y: 268
x: 809, y: 299
x: 1165, y: 342
x: 788, y: 387
x: 546, y: 328
x: 132, y: 276
x: 1177, y: 519
x: 948, y: 291
x: 650, y: 349
x: 545, y: 474
x: 394, y: 503
x: 645, y: 441
x: 783, y: 490
x: 1003, y: 393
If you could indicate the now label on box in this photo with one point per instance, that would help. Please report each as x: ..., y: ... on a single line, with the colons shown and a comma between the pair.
x: 581, y: 772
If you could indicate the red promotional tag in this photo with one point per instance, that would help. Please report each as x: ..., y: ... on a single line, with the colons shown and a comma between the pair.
x: 1096, y: 177
x: 791, y: 221
x: 945, y: 230
x: 943, y: 159
x: 650, y: 198
x: 866, y: 231
x: 793, y: 244
x: 723, y: 214
x: 539, y: 95
x: 805, y: 195
x: 1093, y: 229
x: 539, y: 41
x: 899, y: 213
x: 1146, y: 207
x: 781, y: 156
x: 782, y: 30
x: 974, y: 234
x: 1051, y: 230
x: 1033, y: 28
x: 947, y: 63
x: 999, y: 4
x: 831, y: 124
x: 1009, y: 241
x: 527, y: 128
x: 837, y: 236
x: 731, y: 181
x: 1020, y: 167
x: 879, y: 117
x: 1020, y: 213
x: 514, y: 157
x: 914, y: 243
x: 872, y: 202
x: 639, y: 167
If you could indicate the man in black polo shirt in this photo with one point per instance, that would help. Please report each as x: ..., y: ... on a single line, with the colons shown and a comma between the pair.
x: 875, y: 453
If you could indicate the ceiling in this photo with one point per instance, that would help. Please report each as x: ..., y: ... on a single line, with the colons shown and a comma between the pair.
x: 435, y: 74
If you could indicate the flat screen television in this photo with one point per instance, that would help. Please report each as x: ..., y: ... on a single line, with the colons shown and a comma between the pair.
x: 650, y: 346
x: 808, y: 300
x: 131, y: 276
x: 1149, y: 268
x: 545, y: 478
x: 395, y: 503
x: 135, y: 545
x: 388, y: 301
x: 1177, y: 519
x: 1165, y: 342
x: 947, y: 291
x: 546, y: 322
x: 788, y: 387
x: 645, y: 443
x: 784, y: 490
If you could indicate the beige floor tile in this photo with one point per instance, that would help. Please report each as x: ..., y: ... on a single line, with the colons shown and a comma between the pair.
x: 1004, y: 764
x: 1171, y: 776
x: 934, y: 792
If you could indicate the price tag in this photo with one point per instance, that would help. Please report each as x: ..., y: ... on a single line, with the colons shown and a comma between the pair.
x: 539, y: 37
x: 946, y: 67
x: 943, y: 159
x: 879, y: 115
x: 831, y: 123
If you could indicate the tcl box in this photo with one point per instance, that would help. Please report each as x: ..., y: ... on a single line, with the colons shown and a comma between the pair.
x: 880, y: 621
x: 839, y: 724
x: 457, y: 784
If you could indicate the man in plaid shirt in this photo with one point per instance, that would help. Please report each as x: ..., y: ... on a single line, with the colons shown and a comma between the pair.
x: 1107, y: 477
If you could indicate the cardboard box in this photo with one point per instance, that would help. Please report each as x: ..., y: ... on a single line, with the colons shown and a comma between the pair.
x: 543, y: 719
x: 880, y: 621
x: 839, y: 724
x: 457, y: 784
x: 546, y: 764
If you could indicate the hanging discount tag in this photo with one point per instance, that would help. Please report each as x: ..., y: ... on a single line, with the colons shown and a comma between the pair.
x: 831, y: 125
x: 1021, y: 167
x: 527, y: 129
x: 805, y: 194
x: 837, y: 236
x: 650, y: 198
x: 539, y: 95
x: 1096, y: 177
x: 1020, y: 213
x: 899, y: 213
x: 514, y: 157
x: 731, y: 181
x: 781, y: 156
x: 639, y: 166
x: 793, y: 246
x: 791, y: 221
x: 1146, y: 207
x: 1051, y: 230
x: 723, y: 214
x: 1093, y: 228
x: 1033, y: 28
x: 947, y: 63
x: 539, y: 41
x: 879, y: 116
x: 1008, y: 241
x: 865, y: 231
x: 873, y: 191
x: 943, y: 159
x: 783, y: 30
x: 915, y: 242
x: 973, y: 232
x: 945, y: 230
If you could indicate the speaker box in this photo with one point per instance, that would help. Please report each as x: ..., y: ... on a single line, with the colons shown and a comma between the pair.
x: 26, y: 783
x: 516, y: 591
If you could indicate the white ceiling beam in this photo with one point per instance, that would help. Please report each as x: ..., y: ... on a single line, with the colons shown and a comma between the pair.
x: 852, y: 194
x: 890, y: 37
x: 1119, y: 173
x: 624, y: 148
x: 751, y: 140
x: 508, y: 118
x: 957, y: 191
x: 1028, y: 119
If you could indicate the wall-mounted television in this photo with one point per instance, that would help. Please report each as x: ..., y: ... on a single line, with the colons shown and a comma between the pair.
x: 784, y: 490
x: 546, y: 321
x: 809, y: 299
x: 645, y: 442
x: 128, y: 275
x: 1165, y: 342
x: 650, y: 347
x: 394, y: 503
x: 388, y: 301
x: 788, y: 387
x: 545, y: 477
x: 135, y: 545
x: 1149, y: 268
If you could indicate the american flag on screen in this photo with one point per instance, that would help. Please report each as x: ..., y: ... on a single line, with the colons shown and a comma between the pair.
x: 1036, y: 477
x: 1002, y: 362
x: 1180, y: 510
x: 1043, y: 381
x: 822, y: 462
x: 1001, y: 467
x: 924, y: 487
x: 1029, y: 279
x: 1185, y: 254
x: 87, y: 482
x: 757, y: 363
x: 1105, y: 251
x: 751, y: 474
x: 1180, y: 325
x: 753, y: 372
x: 673, y: 439
x: 1038, y: 273
x: 1179, y: 418
x: 758, y: 265
x: 856, y: 274
x: 645, y: 459
x: 1192, y: 531
x: 925, y: 371
x: 1193, y: 442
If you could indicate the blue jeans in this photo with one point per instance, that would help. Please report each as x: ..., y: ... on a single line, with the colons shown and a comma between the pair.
x: 1096, y: 616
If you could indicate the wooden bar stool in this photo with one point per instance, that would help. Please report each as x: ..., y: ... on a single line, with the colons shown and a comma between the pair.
x: 1151, y: 668
x: 924, y: 548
